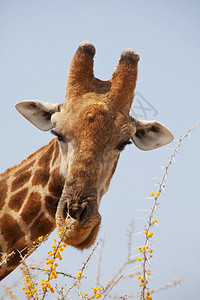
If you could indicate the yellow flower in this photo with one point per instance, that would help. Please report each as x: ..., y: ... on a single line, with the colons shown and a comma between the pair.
x: 145, y: 231
x: 85, y: 294
x: 148, y: 272
x: 150, y: 250
x: 23, y: 288
x: 152, y: 194
x: 158, y: 193
x: 140, y: 284
x: 78, y: 276
x: 40, y: 238
x: 150, y: 234
x: 42, y: 281
x: 139, y: 259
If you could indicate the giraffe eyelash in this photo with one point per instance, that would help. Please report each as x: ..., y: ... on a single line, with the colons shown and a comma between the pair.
x: 59, y: 137
x: 122, y: 145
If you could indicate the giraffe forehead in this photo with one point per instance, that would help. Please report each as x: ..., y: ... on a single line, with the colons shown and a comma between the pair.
x: 97, y: 122
x: 82, y: 117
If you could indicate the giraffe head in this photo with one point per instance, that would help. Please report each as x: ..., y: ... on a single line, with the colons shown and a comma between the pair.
x: 92, y: 127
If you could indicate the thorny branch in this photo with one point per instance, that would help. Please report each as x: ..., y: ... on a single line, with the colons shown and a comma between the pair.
x: 57, y: 272
x: 152, y: 210
x: 100, y: 262
x: 77, y: 281
x: 61, y: 239
x: 7, y: 257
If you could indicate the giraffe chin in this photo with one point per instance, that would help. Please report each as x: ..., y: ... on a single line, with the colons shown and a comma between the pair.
x: 80, y: 236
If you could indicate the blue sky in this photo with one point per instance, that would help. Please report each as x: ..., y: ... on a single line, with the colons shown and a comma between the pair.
x: 38, y: 40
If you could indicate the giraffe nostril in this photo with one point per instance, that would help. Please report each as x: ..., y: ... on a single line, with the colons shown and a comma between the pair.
x: 77, y: 212
x: 65, y: 210
x: 85, y: 213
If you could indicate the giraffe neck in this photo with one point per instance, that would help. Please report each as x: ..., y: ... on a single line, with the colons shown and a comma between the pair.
x: 29, y: 194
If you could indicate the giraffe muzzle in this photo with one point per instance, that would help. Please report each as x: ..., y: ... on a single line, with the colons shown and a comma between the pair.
x: 80, y: 213
x: 83, y: 214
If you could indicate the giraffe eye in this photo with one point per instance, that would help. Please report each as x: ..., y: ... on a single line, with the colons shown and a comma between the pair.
x: 123, y: 144
x: 59, y: 137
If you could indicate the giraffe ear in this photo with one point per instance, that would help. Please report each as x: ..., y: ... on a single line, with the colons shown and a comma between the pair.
x: 38, y: 113
x: 150, y: 134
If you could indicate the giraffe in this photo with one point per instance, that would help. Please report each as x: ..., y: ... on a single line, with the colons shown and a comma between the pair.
x: 66, y: 179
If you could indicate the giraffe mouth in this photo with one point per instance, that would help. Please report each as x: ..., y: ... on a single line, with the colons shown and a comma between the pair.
x: 89, y: 241
x: 85, y: 219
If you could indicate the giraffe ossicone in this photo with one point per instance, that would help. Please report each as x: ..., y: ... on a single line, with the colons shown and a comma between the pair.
x: 66, y: 179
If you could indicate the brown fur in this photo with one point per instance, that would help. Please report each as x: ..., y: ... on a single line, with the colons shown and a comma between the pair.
x: 56, y: 183
x: 51, y: 204
x: 3, y: 192
x: 32, y: 207
x: 26, y: 204
x: 13, y: 231
x: 41, y: 177
x: 20, y: 181
x: 41, y: 225
x: 17, y: 199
